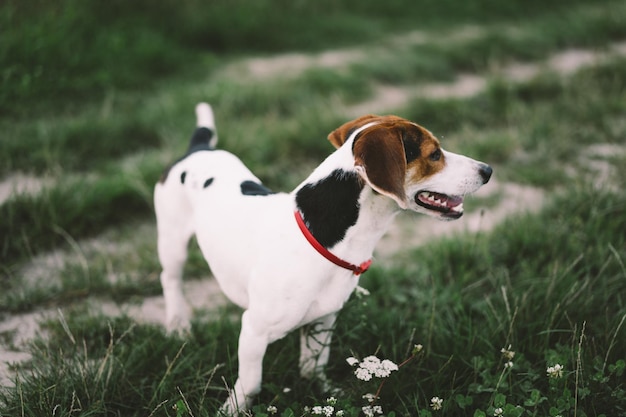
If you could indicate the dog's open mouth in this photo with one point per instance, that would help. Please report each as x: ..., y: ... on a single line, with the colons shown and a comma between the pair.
x: 450, y: 207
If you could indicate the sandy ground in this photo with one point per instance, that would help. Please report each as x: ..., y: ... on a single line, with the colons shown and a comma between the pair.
x: 203, y: 294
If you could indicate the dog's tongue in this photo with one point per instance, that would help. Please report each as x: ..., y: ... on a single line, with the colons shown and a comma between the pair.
x: 453, y: 201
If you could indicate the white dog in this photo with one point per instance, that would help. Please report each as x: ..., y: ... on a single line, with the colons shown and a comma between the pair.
x: 294, y: 259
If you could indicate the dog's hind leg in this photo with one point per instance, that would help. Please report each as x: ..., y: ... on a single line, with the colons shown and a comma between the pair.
x: 174, y: 228
x: 315, y: 348
x: 174, y: 215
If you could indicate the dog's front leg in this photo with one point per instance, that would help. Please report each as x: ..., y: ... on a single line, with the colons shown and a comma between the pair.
x: 253, y: 341
x: 315, y: 348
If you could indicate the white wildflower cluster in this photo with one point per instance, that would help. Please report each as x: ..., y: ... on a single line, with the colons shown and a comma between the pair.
x: 498, y: 412
x: 555, y: 371
x: 272, y: 409
x: 371, y: 410
x: 372, y: 367
x: 327, y: 410
x: 436, y: 403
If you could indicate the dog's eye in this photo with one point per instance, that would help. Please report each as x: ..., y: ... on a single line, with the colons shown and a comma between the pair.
x: 435, y: 156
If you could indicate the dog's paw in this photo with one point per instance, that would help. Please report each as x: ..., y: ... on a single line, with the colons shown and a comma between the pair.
x: 179, y: 323
x: 232, y: 407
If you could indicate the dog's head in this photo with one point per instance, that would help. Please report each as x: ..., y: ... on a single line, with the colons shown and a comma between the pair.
x: 404, y: 161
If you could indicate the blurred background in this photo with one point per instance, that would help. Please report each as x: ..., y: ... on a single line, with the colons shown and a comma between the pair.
x: 97, y: 97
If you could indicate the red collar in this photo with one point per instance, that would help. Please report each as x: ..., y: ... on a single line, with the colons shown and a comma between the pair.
x: 357, y: 269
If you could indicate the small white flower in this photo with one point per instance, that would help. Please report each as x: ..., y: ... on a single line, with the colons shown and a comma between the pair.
x: 363, y: 374
x: 317, y: 410
x: 417, y: 348
x: 352, y: 361
x: 389, y: 365
x: 372, y: 366
x: 555, y: 371
x: 498, y: 412
x: 507, y: 353
x: 371, y: 410
x: 328, y: 410
x: 370, y: 398
x: 331, y: 401
x: 508, y: 365
x: 436, y: 403
x: 371, y: 361
x: 385, y: 369
x: 340, y: 413
x: 381, y: 372
x: 272, y: 409
x: 286, y: 390
x: 361, y: 292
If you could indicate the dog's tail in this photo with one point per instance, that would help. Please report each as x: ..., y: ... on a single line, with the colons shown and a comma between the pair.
x: 205, y: 135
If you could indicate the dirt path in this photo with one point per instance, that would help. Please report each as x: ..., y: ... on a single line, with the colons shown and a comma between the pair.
x: 204, y: 294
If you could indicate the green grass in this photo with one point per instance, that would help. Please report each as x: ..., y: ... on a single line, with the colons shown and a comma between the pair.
x: 75, y: 50
x: 554, y: 300
x: 97, y: 100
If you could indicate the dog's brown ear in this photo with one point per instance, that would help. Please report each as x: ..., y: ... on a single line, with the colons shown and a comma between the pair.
x: 379, y: 156
x: 339, y: 136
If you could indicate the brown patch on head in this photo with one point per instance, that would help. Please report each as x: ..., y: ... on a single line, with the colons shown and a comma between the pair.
x: 391, y: 152
x: 431, y: 159
x: 339, y: 136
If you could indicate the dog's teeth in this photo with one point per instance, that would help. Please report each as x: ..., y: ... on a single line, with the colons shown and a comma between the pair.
x: 431, y: 198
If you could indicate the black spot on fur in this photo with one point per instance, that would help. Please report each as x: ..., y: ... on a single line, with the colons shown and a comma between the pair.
x: 199, y: 142
x: 412, y: 142
x: 208, y: 182
x: 183, y: 176
x: 330, y: 206
x: 254, y: 188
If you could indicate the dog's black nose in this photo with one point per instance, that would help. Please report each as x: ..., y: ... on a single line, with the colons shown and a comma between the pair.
x: 485, y: 172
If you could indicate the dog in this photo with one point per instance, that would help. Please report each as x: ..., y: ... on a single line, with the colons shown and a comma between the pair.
x: 292, y: 259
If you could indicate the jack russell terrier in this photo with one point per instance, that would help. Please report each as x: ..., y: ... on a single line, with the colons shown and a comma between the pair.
x: 294, y: 259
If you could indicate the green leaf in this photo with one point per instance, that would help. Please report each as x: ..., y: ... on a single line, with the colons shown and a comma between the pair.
x: 425, y: 413
x: 180, y: 408
x: 288, y: 413
x: 463, y: 401
x: 535, y: 398
x: 511, y: 410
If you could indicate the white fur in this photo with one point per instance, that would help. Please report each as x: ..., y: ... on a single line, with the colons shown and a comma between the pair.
x: 260, y: 258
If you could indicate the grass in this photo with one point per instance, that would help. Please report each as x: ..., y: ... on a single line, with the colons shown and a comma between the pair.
x: 550, y: 285
x: 465, y: 300
x: 70, y: 51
